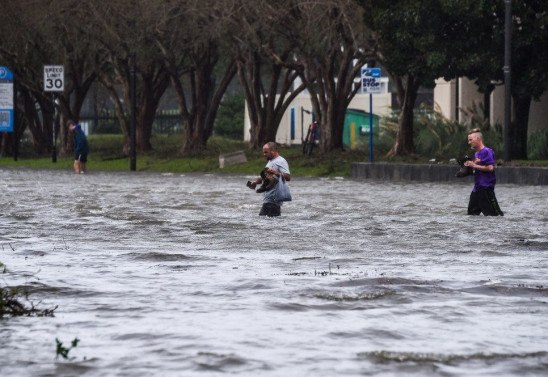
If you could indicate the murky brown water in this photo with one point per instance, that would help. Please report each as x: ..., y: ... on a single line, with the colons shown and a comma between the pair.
x: 176, y: 275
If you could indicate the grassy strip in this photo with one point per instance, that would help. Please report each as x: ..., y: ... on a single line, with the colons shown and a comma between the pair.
x: 106, y: 155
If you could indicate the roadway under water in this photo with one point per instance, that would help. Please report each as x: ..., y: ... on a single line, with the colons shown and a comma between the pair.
x: 177, y: 275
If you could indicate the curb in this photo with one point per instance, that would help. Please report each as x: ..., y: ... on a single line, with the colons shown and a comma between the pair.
x: 521, y: 175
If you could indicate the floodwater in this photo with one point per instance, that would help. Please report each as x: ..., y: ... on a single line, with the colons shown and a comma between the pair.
x: 177, y: 275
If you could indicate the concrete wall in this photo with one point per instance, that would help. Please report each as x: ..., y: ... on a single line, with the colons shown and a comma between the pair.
x: 444, y: 97
x: 469, y: 98
x: 446, y: 92
x: 497, y: 106
x: 443, y: 173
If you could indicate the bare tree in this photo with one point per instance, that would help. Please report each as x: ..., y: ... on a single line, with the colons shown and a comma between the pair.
x: 121, y: 29
x: 42, y: 33
x: 26, y: 48
x: 190, y: 36
x: 330, y: 49
x: 67, y: 24
x: 267, y: 83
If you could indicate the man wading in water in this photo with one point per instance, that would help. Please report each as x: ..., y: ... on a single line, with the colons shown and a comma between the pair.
x: 81, y: 148
x: 482, y: 198
x: 278, y: 166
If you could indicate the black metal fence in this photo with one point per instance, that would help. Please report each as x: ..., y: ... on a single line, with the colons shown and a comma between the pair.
x: 166, y: 122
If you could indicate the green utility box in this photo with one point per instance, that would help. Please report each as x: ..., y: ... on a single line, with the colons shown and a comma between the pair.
x: 356, y: 128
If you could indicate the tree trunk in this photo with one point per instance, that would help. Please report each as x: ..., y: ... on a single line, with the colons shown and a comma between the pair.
x: 123, y: 118
x: 6, y: 144
x: 407, y: 90
x: 202, y: 90
x: 335, y: 116
x: 265, y: 105
x: 205, y: 97
x: 39, y: 126
x: 331, y: 85
x: 518, y: 128
x: 155, y: 80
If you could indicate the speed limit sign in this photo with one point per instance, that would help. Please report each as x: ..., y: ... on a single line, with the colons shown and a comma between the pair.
x: 54, y: 78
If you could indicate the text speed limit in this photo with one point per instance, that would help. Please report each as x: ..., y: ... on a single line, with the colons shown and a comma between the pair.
x: 54, y: 78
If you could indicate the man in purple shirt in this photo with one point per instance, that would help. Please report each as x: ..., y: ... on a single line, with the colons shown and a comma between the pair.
x: 482, y: 198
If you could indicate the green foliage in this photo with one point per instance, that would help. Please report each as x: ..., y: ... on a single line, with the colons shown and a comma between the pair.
x: 61, y: 350
x: 529, y: 57
x: 426, y: 38
x: 437, y: 137
x: 538, y: 145
x: 14, y: 302
x: 388, y: 129
x: 230, y: 118
x: 443, y: 140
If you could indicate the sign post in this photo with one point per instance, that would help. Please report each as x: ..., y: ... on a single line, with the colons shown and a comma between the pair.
x: 133, y: 123
x: 54, y: 81
x: 371, y: 83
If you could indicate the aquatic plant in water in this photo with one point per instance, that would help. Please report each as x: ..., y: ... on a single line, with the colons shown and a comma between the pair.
x: 14, y: 302
x: 61, y: 350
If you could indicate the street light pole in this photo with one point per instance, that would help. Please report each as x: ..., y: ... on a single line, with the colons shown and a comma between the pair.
x: 302, y: 122
x: 507, y: 78
x: 133, y: 111
x: 53, y: 141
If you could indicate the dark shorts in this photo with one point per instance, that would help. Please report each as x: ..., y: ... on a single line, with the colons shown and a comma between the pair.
x: 484, y: 201
x: 270, y: 210
x: 82, y: 158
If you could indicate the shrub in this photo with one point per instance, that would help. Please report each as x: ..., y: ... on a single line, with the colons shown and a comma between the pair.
x: 537, y: 146
x: 438, y: 137
x: 230, y: 118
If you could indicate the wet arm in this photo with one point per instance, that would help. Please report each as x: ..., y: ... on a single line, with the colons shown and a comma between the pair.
x: 278, y: 173
x: 484, y: 168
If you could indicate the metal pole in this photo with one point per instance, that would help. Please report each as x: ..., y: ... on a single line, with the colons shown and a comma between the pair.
x: 457, y: 99
x: 15, y: 137
x: 507, y: 79
x: 370, y: 127
x: 302, y: 125
x: 54, y: 146
x: 133, y: 125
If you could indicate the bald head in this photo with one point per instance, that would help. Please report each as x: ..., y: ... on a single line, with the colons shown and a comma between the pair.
x: 270, y: 150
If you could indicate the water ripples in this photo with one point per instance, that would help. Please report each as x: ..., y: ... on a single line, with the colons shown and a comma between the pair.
x: 169, y: 275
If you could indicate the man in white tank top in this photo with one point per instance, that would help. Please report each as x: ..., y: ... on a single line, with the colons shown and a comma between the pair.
x: 278, y: 166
